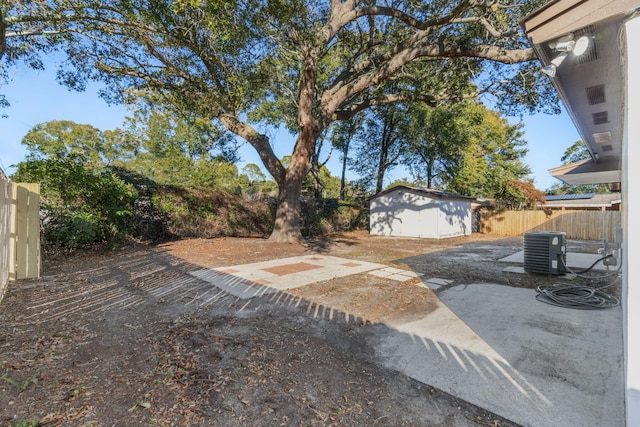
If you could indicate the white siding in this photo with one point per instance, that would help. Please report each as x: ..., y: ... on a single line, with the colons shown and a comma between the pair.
x: 405, y: 213
x: 631, y: 226
x: 455, y: 218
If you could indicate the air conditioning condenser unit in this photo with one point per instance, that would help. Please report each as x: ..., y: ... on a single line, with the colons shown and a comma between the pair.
x: 545, y: 252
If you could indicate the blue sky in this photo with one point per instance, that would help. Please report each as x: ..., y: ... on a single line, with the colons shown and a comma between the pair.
x: 36, y: 97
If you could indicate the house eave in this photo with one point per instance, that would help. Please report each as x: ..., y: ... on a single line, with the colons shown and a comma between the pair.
x: 590, y: 84
x: 588, y: 172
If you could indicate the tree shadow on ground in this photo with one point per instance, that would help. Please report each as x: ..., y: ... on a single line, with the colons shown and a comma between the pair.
x: 132, y: 337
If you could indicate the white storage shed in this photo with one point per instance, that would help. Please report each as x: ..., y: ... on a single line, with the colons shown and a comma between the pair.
x: 405, y: 211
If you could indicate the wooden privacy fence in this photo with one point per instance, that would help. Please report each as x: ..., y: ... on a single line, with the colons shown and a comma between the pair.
x: 577, y: 224
x: 19, y: 231
x: 5, y: 209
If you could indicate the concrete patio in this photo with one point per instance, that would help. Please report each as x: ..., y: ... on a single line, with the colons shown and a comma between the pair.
x: 492, y: 345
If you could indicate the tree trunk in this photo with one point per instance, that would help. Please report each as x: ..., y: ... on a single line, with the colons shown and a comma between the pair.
x: 353, y: 127
x: 287, y: 222
x: 317, y: 185
x: 384, y: 155
x: 315, y: 170
x: 343, y: 175
x: 380, y: 175
x: 287, y: 225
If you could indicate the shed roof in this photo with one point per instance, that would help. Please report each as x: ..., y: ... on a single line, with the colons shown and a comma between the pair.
x: 442, y: 194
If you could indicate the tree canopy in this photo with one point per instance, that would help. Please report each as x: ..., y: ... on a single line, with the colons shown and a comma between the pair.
x: 253, y: 63
x: 63, y: 139
x: 381, y: 142
x: 490, y: 156
x: 29, y: 29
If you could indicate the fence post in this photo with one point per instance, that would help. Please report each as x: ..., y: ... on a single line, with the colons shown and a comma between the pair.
x: 5, y: 217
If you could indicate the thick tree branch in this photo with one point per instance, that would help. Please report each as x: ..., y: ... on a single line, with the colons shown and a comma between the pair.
x: 167, y: 63
x: 3, y: 39
x: 258, y: 141
x: 354, y: 108
x: 494, y: 53
x: 343, y: 14
x: 124, y: 71
x: 430, y: 100
x: 333, y: 98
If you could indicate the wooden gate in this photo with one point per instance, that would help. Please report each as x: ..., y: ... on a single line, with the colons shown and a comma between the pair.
x: 19, y: 231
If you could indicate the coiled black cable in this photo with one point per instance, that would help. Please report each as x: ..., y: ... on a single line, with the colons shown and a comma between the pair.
x: 579, y: 297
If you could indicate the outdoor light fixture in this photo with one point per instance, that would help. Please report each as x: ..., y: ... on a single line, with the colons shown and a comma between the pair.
x: 550, y: 70
x: 564, y: 46
x: 581, y: 46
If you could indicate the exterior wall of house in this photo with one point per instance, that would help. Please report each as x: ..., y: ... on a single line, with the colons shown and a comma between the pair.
x: 631, y: 227
x: 404, y: 213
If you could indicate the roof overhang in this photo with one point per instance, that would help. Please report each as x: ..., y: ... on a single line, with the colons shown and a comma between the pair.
x: 588, y: 172
x: 592, y: 85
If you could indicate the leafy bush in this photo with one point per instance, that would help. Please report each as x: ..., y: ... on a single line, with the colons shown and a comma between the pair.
x: 210, y: 212
x: 83, y: 205
x: 321, y: 217
x: 147, y: 222
x: 79, y: 205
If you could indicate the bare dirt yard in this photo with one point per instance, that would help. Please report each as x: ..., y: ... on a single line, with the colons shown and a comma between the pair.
x: 130, y: 338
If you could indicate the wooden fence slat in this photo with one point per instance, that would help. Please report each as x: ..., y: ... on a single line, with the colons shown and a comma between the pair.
x: 33, y: 231
x: 13, y: 232
x: 22, y: 228
x: 27, y: 231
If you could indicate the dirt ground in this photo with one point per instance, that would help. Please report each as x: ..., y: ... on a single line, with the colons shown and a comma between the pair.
x: 129, y: 338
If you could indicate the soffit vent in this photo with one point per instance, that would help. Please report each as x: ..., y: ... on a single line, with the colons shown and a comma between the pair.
x: 591, y: 54
x: 600, y: 118
x: 595, y: 95
x: 601, y: 137
x: 606, y: 148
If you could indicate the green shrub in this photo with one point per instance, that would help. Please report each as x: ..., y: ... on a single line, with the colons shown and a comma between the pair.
x: 320, y: 217
x: 211, y: 212
x: 79, y: 205
x: 83, y: 205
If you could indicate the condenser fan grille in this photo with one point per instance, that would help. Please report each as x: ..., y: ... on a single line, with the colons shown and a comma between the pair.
x: 544, y: 252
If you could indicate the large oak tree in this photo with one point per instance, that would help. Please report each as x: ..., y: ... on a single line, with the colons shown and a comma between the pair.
x: 303, y: 64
